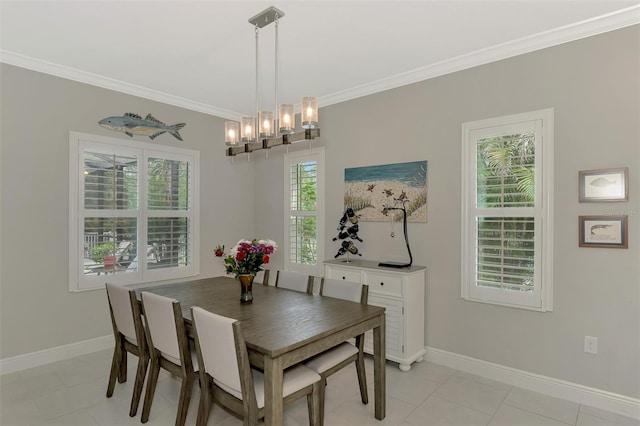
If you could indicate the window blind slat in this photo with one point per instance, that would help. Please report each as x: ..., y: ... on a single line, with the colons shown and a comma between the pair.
x: 505, y: 250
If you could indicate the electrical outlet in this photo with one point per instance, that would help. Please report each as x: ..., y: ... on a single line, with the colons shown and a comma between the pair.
x: 591, y: 345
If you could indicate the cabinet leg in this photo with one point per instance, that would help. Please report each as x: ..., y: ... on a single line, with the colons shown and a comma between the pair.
x: 420, y: 359
x: 404, y: 367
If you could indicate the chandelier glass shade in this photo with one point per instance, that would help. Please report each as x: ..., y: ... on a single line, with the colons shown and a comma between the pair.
x: 264, y: 131
x: 231, y: 132
x: 286, y: 118
x: 248, y: 129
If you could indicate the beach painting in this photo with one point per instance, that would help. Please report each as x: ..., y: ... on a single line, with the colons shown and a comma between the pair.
x: 369, y: 190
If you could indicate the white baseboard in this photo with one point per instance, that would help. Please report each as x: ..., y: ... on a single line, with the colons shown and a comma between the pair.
x: 48, y: 356
x: 616, y: 403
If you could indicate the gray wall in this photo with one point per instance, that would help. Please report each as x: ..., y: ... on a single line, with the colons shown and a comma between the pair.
x: 38, y: 111
x: 593, y: 84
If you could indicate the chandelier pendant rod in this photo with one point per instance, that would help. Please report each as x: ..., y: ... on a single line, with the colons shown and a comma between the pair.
x: 275, y: 111
x: 257, y: 121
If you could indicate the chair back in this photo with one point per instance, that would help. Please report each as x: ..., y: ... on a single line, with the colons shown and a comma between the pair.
x: 262, y: 277
x: 161, y: 324
x: 345, y: 290
x: 294, y: 281
x: 217, y: 345
x: 120, y: 302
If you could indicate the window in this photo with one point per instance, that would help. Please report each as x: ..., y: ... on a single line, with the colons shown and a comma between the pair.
x: 507, y: 210
x: 133, y: 212
x: 304, y: 217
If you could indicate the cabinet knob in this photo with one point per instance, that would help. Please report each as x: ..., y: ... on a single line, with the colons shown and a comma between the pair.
x: 381, y: 283
x: 344, y: 278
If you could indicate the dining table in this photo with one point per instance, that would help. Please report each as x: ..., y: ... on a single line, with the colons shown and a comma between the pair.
x: 283, y: 327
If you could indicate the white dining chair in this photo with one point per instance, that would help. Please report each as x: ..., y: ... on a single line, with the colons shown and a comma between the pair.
x: 169, y: 348
x: 338, y: 357
x: 130, y: 338
x: 262, y: 277
x: 227, y: 377
x: 295, y: 281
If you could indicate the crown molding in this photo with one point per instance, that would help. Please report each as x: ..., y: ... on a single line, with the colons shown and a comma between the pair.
x: 98, y: 80
x: 594, y: 26
x: 590, y: 27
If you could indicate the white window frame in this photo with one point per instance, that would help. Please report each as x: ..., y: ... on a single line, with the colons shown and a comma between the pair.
x: 541, y: 121
x: 314, y: 154
x: 78, y: 281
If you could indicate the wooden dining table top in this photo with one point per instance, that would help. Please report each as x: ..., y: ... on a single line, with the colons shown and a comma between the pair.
x: 277, y: 321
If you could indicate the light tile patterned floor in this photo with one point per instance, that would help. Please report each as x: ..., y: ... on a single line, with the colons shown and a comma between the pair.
x: 72, y: 392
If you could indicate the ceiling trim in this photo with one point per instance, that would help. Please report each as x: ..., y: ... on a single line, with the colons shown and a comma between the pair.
x: 98, y: 80
x: 598, y: 25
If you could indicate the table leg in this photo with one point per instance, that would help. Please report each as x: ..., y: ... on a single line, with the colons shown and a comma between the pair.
x: 379, y: 372
x: 273, y: 391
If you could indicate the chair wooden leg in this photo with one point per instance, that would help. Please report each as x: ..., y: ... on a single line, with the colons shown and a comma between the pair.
x: 143, y: 362
x: 311, y: 409
x: 315, y: 401
x: 115, y: 368
x: 185, y: 397
x: 152, y: 381
x: 251, y: 418
x: 362, y: 380
x: 122, y: 376
x: 205, y: 404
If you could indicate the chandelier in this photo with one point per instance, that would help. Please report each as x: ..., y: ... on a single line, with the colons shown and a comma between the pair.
x: 263, y: 131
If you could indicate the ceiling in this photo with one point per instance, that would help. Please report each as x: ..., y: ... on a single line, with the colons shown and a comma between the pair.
x: 201, y: 55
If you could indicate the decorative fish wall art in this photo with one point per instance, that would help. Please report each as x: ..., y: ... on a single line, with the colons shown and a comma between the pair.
x: 132, y: 124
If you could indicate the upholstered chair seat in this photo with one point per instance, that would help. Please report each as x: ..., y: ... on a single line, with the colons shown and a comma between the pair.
x: 332, y: 357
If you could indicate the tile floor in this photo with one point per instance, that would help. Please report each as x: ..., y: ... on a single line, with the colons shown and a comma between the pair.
x: 72, y: 392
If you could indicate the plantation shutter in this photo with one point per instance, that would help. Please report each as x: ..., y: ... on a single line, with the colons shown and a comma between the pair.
x: 303, y: 187
x: 505, y: 179
x: 504, y: 208
x: 169, y: 195
x: 133, y: 212
x: 303, y: 207
x: 505, y: 253
x: 505, y: 171
x: 109, y: 216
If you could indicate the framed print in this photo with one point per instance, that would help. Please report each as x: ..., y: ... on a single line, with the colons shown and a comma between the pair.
x: 603, y: 231
x: 369, y: 190
x: 604, y: 185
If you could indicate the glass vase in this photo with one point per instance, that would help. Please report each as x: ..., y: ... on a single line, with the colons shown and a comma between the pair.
x: 246, y: 284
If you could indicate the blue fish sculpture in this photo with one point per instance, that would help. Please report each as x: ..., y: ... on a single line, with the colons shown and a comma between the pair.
x: 132, y: 124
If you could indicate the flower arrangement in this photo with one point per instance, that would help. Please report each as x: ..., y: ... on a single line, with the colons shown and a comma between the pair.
x: 246, y: 257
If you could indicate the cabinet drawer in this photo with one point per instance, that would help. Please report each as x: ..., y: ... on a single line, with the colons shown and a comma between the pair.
x: 384, y: 284
x: 344, y: 274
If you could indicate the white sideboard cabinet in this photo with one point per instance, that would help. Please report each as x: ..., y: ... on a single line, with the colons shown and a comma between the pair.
x: 401, y: 291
